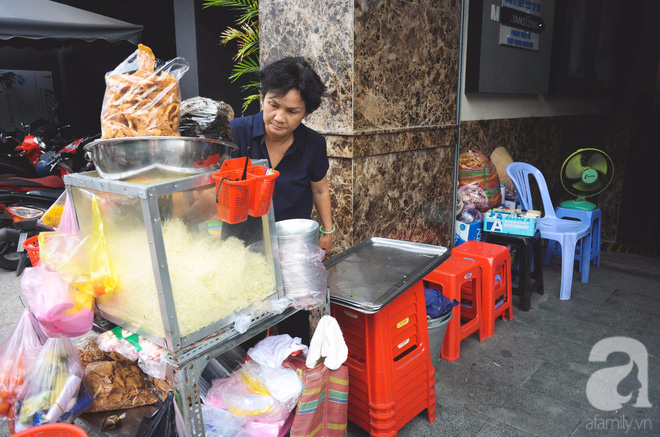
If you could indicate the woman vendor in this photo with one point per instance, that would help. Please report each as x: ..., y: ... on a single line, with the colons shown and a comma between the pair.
x: 291, y: 90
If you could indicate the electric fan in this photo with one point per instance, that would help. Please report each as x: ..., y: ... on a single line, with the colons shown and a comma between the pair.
x: 586, y: 173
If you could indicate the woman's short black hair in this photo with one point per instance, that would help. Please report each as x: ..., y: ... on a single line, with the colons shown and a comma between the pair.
x: 293, y: 72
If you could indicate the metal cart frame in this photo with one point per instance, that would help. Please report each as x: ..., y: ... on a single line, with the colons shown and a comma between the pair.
x: 188, y: 355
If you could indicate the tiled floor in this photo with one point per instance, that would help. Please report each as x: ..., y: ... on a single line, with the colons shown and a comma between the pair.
x: 531, y: 377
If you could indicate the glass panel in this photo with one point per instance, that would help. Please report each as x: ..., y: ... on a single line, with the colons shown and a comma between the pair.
x: 215, y: 268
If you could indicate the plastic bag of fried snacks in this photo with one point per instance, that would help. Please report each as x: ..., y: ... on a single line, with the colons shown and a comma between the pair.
x: 142, y: 97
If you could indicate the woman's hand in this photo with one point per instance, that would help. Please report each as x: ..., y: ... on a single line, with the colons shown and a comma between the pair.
x: 325, y: 243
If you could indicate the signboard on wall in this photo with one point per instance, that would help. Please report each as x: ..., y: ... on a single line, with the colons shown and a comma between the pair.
x: 509, y: 46
x: 26, y: 95
x: 521, y: 23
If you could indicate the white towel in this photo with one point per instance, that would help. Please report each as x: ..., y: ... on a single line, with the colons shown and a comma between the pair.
x: 273, y: 350
x: 327, y: 342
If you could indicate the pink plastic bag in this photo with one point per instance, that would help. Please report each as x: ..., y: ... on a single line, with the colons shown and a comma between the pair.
x: 61, y: 310
x: 68, y: 223
x: 17, y: 354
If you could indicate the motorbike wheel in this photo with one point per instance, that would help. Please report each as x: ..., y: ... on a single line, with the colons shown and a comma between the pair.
x: 8, y: 256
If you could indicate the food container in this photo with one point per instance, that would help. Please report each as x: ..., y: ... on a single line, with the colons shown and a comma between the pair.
x: 183, y: 274
x: 371, y: 274
x: 292, y: 235
x: 122, y: 158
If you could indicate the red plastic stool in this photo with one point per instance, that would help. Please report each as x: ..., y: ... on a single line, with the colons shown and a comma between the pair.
x: 391, y: 377
x: 452, y: 276
x: 495, y: 262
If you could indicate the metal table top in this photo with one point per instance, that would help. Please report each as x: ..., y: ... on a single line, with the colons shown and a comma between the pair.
x: 371, y: 274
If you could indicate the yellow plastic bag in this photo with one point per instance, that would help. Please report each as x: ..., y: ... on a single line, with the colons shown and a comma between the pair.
x: 81, y: 258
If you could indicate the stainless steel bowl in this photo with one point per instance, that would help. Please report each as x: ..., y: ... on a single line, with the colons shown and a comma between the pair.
x: 121, y: 158
x: 294, y: 231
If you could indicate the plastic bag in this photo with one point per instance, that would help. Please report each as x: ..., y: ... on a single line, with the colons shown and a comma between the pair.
x: 474, y: 195
x: 52, y: 391
x: 258, y: 309
x: 17, y: 354
x: 202, y: 117
x: 80, y: 258
x: 163, y: 423
x: 242, y: 393
x: 51, y: 219
x: 436, y: 303
x: 61, y: 309
x: 118, y: 385
x: 304, y: 275
x: 470, y: 214
x: 474, y: 167
x: 219, y: 422
x: 142, y: 97
x: 150, y: 356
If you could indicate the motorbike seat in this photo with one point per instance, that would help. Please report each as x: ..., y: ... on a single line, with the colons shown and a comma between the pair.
x: 30, y: 184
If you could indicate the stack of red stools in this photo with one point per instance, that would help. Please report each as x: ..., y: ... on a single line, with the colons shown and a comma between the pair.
x: 459, y: 279
x: 391, y: 377
x: 495, y: 263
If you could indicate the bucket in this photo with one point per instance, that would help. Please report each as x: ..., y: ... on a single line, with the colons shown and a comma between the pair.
x: 437, y: 328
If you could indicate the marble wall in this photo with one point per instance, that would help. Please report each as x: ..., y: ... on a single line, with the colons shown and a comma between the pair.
x: 391, y: 68
x: 546, y: 142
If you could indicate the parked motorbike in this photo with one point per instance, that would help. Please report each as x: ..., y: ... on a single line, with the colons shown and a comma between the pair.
x: 24, y: 200
x: 22, y: 150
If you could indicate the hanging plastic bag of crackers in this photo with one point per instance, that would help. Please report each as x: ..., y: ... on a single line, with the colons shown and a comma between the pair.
x: 142, y: 97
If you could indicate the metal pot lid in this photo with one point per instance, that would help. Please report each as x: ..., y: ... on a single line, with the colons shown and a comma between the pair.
x: 371, y: 274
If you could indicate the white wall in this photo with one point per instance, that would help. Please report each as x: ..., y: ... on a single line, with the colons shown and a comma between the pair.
x: 477, y: 106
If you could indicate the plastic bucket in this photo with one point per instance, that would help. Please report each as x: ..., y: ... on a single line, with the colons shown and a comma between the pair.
x: 437, y: 328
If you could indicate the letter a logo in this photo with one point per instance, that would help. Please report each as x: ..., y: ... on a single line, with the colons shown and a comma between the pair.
x: 602, y: 385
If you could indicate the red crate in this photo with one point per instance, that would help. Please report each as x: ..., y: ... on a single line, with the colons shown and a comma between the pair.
x: 392, y: 378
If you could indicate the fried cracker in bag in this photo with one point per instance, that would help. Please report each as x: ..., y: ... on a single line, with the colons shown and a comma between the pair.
x: 142, y: 97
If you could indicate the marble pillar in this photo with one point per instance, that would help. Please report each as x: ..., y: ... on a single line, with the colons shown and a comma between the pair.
x: 389, y: 118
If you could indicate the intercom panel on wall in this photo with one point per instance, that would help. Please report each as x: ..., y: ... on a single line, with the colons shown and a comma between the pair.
x: 509, y: 46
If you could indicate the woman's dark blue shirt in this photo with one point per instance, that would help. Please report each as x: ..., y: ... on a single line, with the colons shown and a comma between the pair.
x: 304, y: 162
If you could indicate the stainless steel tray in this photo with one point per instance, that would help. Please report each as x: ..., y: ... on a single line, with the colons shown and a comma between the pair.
x: 373, y: 273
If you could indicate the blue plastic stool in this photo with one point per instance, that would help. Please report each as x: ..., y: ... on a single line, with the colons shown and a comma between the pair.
x: 593, y: 217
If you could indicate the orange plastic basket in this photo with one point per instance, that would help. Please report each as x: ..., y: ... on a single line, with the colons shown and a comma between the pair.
x: 262, y: 190
x: 53, y: 430
x: 232, y: 195
x: 31, y: 246
x: 235, y: 164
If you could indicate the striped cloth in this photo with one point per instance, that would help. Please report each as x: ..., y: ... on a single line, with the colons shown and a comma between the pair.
x: 323, y: 406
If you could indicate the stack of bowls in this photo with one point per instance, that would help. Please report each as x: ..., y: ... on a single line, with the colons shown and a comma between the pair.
x: 296, y: 231
x: 298, y: 275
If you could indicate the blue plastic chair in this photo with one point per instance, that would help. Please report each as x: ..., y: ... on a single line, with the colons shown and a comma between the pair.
x: 593, y: 217
x: 565, y: 232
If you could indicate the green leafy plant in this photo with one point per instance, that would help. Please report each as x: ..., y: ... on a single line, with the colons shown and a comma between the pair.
x: 7, y: 79
x: 246, y: 35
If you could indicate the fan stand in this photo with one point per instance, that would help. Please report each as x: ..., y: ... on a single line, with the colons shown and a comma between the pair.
x: 580, y: 203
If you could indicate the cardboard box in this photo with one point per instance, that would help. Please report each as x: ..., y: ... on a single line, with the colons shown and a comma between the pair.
x: 464, y: 232
x: 511, y: 222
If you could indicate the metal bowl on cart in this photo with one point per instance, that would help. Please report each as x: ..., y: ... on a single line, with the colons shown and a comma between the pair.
x: 122, y: 158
